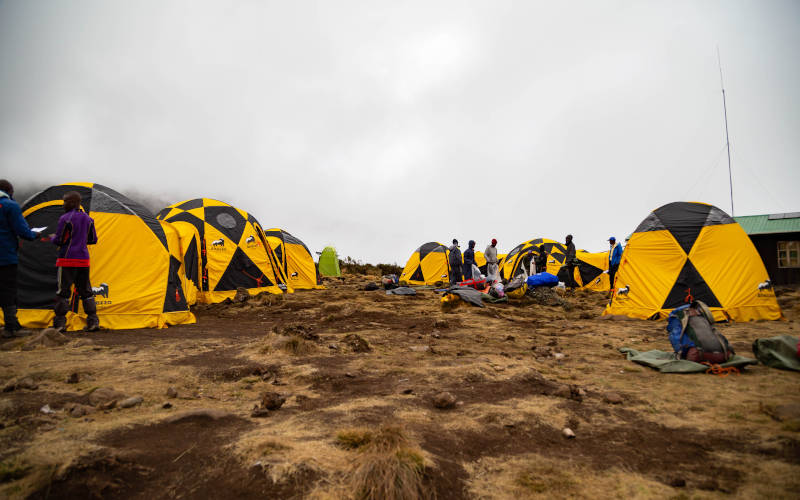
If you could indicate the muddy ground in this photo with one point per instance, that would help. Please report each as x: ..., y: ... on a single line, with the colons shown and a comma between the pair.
x: 344, y: 358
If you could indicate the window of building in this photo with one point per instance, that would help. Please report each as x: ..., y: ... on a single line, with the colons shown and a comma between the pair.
x: 789, y: 254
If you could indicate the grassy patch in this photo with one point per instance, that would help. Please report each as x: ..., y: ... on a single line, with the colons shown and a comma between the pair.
x: 12, y: 469
x: 388, y: 465
x: 353, y: 439
x: 297, y: 346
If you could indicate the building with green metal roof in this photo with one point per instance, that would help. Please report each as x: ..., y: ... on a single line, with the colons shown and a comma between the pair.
x: 777, y: 239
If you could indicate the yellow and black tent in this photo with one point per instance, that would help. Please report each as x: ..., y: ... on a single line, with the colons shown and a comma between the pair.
x: 136, y: 266
x: 688, y: 251
x: 296, y: 261
x: 233, y: 249
x: 511, y: 266
x: 591, y: 270
x: 428, y: 265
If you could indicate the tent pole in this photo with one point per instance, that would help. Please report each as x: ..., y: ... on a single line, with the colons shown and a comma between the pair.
x: 727, y: 138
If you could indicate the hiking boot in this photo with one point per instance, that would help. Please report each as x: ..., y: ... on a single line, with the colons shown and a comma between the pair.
x: 92, y: 321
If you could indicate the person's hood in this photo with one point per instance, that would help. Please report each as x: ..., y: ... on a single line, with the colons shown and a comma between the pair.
x: 3, y: 194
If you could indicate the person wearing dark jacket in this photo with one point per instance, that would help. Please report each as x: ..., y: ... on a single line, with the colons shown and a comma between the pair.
x: 570, y: 262
x: 12, y: 226
x: 75, y: 231
x: 455, y: 263
x: 469, y: 260
x: 541, y: 260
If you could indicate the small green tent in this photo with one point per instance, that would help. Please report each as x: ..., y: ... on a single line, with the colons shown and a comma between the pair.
x: 329, y: 262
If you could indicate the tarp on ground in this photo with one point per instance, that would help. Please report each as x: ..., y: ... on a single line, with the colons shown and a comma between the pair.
x: 666, y: 362
x: 778, y: 352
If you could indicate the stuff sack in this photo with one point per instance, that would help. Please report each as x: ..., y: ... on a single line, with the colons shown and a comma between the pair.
x: 542, y: 279
x: 477, y: 284
x: 709, y: 344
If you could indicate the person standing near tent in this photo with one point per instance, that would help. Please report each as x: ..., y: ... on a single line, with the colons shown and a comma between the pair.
x: 75, y: 231
x: 541, y: 260
x: 12, y: 226
x: 569, y: 261
x: 614, y: 257
x: 469, y: 260
x: 455, y: 263
x: 490, y: 254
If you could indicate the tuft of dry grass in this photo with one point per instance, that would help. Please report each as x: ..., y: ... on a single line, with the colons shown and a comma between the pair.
x: 353, y: 439
x: 297, y: 346
x: 388, y: 466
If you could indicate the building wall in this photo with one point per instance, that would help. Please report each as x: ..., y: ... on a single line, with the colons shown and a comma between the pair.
x: 767, y: 246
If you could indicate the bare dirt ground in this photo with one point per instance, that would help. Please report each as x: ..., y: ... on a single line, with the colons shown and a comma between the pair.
x: 519, y: 374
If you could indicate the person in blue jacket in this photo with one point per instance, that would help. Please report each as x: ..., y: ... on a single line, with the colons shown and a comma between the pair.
x: 614, y: 258
x: 12, y: 226
x: 469, y: 260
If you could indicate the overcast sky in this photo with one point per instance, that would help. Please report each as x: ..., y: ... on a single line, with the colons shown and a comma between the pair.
x: 377, y: 126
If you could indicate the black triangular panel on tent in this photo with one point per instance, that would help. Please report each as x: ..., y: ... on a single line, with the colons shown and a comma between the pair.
x: 57, y: 193
x: 689, y: 286
x: 190, y: 259
x: 197, y: 222
x: 226, y: 220
x: 190, y: 204
x: 427, y: 248
x: 241, y: 272
x: 37, y: 272
x: 559, y: 257
x: 174, y: 299
x: 417, y: 276
x: 684, y: 221
x: 588, y: 272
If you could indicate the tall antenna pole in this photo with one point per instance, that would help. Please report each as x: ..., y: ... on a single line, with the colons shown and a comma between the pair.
x: 727, y: 138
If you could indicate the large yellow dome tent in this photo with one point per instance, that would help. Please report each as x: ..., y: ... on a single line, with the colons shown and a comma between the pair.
x: 233, y: 249
x: 686, y: 251
x: 511, y: 266
x: 136, y: 266
x: 295, y: 259
x: 428, y: 265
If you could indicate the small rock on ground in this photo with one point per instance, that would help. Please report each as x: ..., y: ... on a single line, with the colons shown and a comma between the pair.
x: 612, y: 398
x: 172, y: 392
x: 131, y: 402
x: 356, y: 343
x: 104, y: 396
x: 272, y: 400
x: 567, y: 433
x: 444, y: 401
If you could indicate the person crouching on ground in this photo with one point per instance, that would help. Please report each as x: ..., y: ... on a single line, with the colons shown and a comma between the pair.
x: 469, y: 260
x: 12, y: 226
x: 455, y: 263
x: 75, y: 231
x: 491, y: 260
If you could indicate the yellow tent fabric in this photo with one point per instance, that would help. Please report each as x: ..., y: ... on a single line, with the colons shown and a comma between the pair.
x: 428, y: 265
x: 512, y: 265
x: 233, y: 249
x: 135, y: 266
x: 591, y: 271
x: 295, y: 259
x: 686, y: 251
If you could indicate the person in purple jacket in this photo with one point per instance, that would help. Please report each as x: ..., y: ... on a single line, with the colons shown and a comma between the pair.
x: 12, y: 227
x: 75, y: 231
